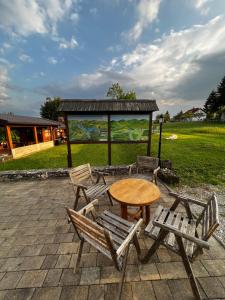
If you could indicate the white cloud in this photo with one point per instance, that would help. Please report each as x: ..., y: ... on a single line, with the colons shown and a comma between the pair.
x: 25, y: 17
x: 147, y: 11
x: 25, y: 58
x: 3, y: 84
x: 68, y: 44
x: 52, y: 60
x: 180, y: 67
x: 5, y: 47
x: 202, y: 6
x: 75, y: 17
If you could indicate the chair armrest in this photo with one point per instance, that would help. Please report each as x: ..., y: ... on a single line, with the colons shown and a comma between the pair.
x: 80, y: 185
x: 187, y: 199
x: 129, y: 238
x: 156, y: 171
x: 199, y: 242
x: 88, y: 208
x: 130, y: 167
x: 100, y: 175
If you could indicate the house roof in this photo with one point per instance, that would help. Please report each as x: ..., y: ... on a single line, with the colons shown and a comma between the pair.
x: 108, y: 106
x: 193, y: 110
x: 9, y: 119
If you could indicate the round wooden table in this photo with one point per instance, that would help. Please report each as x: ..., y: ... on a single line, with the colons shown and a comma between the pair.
x: 134, y: 192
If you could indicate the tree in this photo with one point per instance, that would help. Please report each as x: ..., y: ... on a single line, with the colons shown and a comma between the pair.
x: 49, y: 109
x: 166, y: 117
x: 117, y: 92
x: 215, y: 101
x: 179, y: 116
x: 221, y: 93
x: 211, y: 104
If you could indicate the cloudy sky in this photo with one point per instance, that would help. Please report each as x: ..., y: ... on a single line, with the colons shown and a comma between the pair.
x: 169, y: 50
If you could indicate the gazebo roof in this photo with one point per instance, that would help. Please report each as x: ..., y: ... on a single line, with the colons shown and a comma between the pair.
x: 9, y: 119
x: 109, y: 106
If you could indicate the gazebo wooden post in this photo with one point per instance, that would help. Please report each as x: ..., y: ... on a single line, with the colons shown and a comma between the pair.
x: 9, y: 137
x: 149, y: 135
x: 43, y: 134
x: 109, y: 140
x: 69, y: 156
x: 35, y: 135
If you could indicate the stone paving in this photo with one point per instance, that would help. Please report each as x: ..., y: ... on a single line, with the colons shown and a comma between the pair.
x: 39, y: 248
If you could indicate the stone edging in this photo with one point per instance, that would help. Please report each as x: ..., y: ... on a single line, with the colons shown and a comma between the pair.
x: 54, y: 173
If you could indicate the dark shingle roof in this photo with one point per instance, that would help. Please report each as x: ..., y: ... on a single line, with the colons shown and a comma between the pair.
x: 111, y: 106
x: 24, y: 120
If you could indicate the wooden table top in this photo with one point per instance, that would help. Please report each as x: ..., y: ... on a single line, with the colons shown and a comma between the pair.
x: 134, y: 192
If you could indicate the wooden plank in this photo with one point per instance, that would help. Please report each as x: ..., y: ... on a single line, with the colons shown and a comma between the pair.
x: 115, y: 223
x: 176, y: 224
x: 156, y: 213
x: 160, y: 219
x: 117, y: 218
x: 116, y: 236
x: 191, y: 231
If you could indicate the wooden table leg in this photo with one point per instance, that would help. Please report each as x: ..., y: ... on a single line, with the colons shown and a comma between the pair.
x: 123, y: 211
x: 147, y: 214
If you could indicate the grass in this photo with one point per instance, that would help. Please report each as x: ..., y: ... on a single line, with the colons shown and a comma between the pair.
x: 198, y: 155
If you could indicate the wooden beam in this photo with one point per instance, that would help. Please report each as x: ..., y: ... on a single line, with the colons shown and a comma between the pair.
x: 69, y: 156
x: 149, y: 135
x: 9, y: 137
x: 35, y: 135
x: 109, y: 140
x: 43, y: 135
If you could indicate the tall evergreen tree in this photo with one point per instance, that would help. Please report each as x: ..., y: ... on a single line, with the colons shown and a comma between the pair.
x: 211, y: 104
x: 221, y: 93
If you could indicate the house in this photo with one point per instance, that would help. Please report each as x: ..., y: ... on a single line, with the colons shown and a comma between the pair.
x: 23, y: 135
x: 194, y: 114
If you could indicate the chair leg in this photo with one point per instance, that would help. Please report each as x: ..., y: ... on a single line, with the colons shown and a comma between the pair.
x: 155, y: 246
x: 123, y: 272
x: 188, y: 268
x: 137, y: 246
x: 76, y: 267
x: 76, y: 198
x: 110, y: 198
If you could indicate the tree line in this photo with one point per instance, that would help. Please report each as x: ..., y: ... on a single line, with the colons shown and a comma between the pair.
x: 214, y: 106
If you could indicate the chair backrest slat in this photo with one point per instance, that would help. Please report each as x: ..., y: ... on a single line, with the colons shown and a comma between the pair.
x: 210, y: 218
x: 81, y: 173
x: 147, y: 162
x: 87, y: 227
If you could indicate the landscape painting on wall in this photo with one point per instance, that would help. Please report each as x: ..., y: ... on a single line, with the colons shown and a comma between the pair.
x: 129, y: 127
x: 88, y: 128
x: 95, y: 128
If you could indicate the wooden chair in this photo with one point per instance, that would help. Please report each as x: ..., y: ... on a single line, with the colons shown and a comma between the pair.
x: 93, y: 189
x: 182, y: 233
x: 146, y: 163
x: 109, y: 234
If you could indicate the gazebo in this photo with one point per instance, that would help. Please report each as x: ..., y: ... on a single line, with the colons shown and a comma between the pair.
x: 25, y: 135
x: 91, y: 121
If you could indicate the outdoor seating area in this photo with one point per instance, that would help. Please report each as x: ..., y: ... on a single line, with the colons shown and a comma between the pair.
x: 40, y: 249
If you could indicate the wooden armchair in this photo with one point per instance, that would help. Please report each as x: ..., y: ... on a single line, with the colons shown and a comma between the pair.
x: 109, y: 234
x: 146, y: 163
x: 94, y: 189
x: 182, y: 233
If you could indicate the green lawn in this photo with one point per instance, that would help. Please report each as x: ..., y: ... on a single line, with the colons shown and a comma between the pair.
x: 198, y: 155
